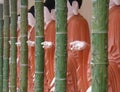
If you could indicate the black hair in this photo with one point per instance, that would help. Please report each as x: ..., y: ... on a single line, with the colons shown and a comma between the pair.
x: 79, y: 2
x: 32, y: 11
x: 50, y: 4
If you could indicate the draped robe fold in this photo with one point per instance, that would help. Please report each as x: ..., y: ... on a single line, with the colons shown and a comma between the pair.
x: 49, y: 35
x: 114, y: 49
x: 77, y: 61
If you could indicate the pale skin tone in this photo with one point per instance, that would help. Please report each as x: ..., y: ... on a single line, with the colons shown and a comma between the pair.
x: 31, y: 22
x: 113, y: 3
x: 73, y: 10
x: 48, y: 17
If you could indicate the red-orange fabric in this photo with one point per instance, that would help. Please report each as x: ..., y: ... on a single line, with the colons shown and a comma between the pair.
x: 114, y: 49
x: 49, y: 59
x: 77, y: 61
x: 31, y: 61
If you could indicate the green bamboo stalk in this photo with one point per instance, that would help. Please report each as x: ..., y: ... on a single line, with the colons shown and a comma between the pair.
x: 13, y: 49
x: 39, y: 70
x: 24, y: 46
x: 1, y: 47
x: 61, y: 45
x: 6, y: 29
x: 99, y: 45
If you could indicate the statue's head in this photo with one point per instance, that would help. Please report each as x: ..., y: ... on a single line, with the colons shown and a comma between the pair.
x: 78, y: 1
x: 49, y: 6
x: 18, y: 23
x: 113, y: 3
x: 73, y: 7
x: 31, y: 19
x: 32, y: 10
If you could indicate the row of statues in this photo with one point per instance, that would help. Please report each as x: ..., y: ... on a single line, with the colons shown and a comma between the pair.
x: 78, y: 48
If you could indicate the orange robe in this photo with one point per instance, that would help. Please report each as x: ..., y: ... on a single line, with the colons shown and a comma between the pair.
x: 49, y: 35
x: 31, y: 61
x: 114, y: 49
x: 77, y: 61
x: 18, y: 60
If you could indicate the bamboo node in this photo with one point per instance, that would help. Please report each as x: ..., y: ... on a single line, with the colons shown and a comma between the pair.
x: 23, y: 36
x: 39, y: 1
x: 39, y: 72
x: 23, y: 64
x: 13, y: 12
x: 6, y: 37
x: 39, y: 36
x: 6, y: 16
x: 12, y: 62
x: 100, y: 32
x: 5, y: 80
x: 98, y: 63
x: 13, y: 37
x: 62, y: 79
x: 23, y: 6
x: 61, y: 32
x: 23, y: 20
x: 5, y: 59
x: 12, y: 86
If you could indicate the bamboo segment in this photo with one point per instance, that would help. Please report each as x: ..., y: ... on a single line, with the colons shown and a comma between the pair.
x: 39, y: 70
x: 6, y: 31
x: 1, y: 47
x: 99, y: 62
x: 24, y: 46
x: 61, y: 45
x: 13, y: 49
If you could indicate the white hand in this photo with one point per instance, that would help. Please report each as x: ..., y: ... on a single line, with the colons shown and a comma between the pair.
x: 31, y: 43
x: 34, y: 77
x: 46, y: 44
x: 89, y: 89
x: 78, y: 45
x: 18, y: 43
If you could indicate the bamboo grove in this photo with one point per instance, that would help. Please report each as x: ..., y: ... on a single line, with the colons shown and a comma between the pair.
x: 8, y: 48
